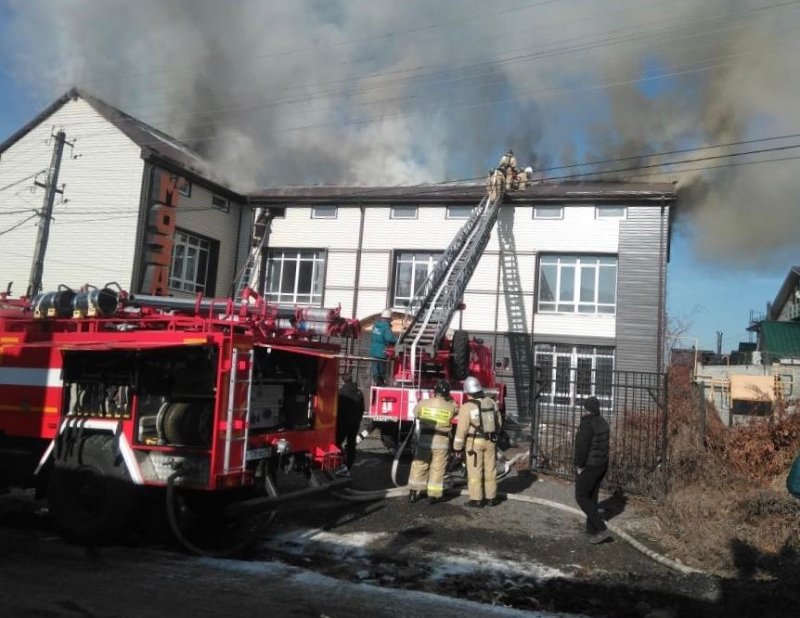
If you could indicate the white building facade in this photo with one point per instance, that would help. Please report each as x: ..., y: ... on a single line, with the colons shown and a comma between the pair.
x: 572, y: 279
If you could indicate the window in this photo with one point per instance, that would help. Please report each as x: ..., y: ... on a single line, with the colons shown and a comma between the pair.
x: 184, y: 186
x: 609, y: 212
x: 459, y: 212
x: 324, y: 212
x: 194, y: 264
x: 295, y: 276
x: 577, y: 284
x: 403, y: 212
x: 411, y: 269
x: 548, y: 212
x: 568, y: 374
x: 220, y: 203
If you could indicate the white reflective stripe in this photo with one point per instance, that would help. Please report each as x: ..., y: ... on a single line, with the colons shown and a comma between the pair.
x: 113, y: 427
x: 25, y: 376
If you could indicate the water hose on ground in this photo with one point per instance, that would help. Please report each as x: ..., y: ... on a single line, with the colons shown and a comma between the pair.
x: 172, y: 516
x: 398, y: 492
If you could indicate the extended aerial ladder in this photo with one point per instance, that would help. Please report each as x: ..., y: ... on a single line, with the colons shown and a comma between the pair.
x: 430, y: 312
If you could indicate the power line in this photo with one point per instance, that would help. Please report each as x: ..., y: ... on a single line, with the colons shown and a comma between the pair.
x: 16, y: 182
x: 19, y: 224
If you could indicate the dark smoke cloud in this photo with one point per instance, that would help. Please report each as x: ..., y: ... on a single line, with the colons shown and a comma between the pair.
x: 380, y: 92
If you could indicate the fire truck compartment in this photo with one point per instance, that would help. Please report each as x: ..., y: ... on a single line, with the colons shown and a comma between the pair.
x: 171, y: 391
x: 283, y: 389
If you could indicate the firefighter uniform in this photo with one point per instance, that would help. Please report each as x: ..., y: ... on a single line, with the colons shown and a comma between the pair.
x: 495, y: 184
x: 430, y: 459
x: 476, y: 435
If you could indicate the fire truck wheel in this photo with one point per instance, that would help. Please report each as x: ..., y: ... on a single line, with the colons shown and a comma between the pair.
x: 459, y: 354
x: 90, y: 494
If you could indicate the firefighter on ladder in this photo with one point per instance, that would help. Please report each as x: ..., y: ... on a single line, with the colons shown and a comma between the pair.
x: 434, y: 416
x: 479, y: 425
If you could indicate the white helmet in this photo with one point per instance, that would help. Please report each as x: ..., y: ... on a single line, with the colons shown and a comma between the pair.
x: 386, y: 313
x: 472, y: 386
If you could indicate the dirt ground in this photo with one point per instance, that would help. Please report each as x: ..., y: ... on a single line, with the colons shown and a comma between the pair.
x: 515, y: 555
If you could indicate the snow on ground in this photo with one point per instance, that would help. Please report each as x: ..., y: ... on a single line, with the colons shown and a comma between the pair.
x: 408, y: 602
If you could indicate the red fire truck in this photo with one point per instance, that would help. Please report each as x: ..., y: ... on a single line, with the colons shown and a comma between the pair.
x: 104, y: 394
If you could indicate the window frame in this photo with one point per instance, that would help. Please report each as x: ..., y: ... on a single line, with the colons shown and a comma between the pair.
x: 537, y: 210
x: 433, y: 257
x: 449, y: 214
x: 202, y: 244
x: 566, y: 364
x: 319, y: 264
x: 316, y: 215
x: 225, y: 208
x: 598, y: 212
x: 568, y: 272
x: 393, y: 212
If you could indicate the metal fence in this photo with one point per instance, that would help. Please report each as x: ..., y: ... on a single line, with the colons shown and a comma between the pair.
x: 633, y: 403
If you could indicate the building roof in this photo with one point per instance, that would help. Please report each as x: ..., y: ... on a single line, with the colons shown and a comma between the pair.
x: 576, y: 192
x: 154, y: 143
x: 786, y: 289
x: 780, y: 339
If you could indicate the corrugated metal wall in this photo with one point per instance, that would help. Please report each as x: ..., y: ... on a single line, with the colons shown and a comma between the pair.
x: 640, y: 289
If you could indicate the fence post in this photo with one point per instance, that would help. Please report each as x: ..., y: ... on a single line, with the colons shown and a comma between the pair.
x: 701, y: 391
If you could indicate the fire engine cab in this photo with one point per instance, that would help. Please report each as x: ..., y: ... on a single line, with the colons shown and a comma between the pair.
x: 103, y: 393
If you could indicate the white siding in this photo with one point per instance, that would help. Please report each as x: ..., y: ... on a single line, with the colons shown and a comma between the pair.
x: 195, y: 214
x: 577, y: 231
x: 298, y: 229
x: 575, y: 325
x: 92, y: 234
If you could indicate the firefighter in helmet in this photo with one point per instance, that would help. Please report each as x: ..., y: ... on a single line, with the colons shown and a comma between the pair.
x: 479, y: 424
x: 434, y: 416
x: 381, y: 337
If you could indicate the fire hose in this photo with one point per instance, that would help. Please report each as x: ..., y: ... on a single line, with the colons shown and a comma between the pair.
x: 399, y: 492
x: 172, y: 517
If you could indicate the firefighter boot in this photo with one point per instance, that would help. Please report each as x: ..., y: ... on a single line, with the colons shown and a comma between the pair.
x: 414, y: 496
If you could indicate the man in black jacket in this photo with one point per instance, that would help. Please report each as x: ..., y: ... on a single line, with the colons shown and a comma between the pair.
x: 591, y: 460
x: 350, y: 409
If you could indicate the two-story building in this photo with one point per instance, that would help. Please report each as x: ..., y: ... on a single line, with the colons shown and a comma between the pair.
x: 573, y: 279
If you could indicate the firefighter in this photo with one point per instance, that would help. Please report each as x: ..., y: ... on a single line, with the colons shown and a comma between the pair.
x: 479, y: 425
x: 434, y: 416
x: 523, y: 176
x: 508, y: 160
x: 382, y: 336
x: 496, y: 182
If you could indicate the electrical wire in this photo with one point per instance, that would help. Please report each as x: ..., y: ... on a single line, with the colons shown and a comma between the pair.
x: 18, y: 224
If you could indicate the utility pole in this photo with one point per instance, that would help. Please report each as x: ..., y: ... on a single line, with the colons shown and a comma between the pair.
x: 51, y: 189
x: 719, y: 342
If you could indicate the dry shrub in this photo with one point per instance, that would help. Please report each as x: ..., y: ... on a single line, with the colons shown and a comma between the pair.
x: 719, y: 498
x: 765, y: 448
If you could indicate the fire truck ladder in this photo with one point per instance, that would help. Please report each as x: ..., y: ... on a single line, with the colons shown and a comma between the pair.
x: 518, y: 328
x: 248, y: 275
x: 250, y: 272
x: 237, y: 413
x: 435, y: 302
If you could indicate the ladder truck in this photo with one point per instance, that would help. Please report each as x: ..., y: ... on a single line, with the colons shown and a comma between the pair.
x: 107, y: 397
x: 425, y: 351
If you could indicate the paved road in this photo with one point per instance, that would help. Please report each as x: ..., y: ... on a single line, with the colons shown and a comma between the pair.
x: 41, y: 576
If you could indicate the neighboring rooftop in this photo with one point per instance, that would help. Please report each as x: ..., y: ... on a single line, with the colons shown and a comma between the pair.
x: 152, y: 141
x: 780, y: 339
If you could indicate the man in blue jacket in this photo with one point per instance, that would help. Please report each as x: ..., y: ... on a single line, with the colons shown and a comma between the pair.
x: 591, y: 460
x: 382, y: 336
